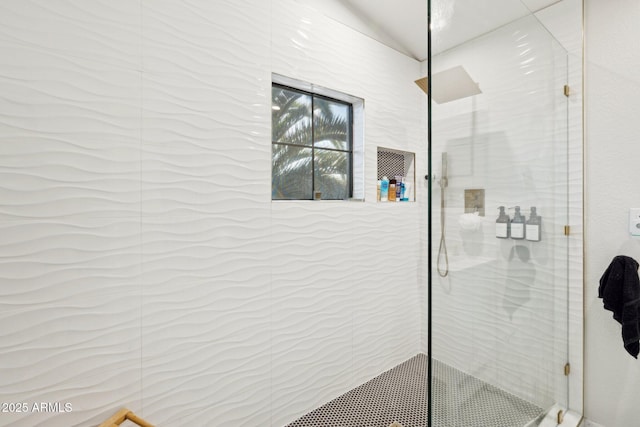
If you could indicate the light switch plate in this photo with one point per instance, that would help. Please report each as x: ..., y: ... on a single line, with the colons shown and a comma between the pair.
x: 634, y: 221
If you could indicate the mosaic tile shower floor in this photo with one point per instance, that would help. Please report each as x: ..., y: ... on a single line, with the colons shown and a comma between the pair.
x: 400, y: 395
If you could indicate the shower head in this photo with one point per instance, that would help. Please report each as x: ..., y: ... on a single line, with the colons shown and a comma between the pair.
x: 450, y: 85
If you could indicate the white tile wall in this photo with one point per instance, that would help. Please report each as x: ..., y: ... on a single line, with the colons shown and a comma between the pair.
x: 611, y: 93
x: 368, y: 290
x: 144, y: 264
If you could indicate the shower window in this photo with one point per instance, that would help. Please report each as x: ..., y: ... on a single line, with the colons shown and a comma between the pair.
x: 312, y: 146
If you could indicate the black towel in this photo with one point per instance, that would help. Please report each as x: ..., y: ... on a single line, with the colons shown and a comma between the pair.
x: 620, y: 293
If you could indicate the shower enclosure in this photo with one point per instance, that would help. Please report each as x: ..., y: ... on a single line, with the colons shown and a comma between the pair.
x: 191, y: 229
x: 473, y: 317
x: 502, y: 137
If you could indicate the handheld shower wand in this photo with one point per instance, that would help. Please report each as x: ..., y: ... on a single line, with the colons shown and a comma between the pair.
x: 444, y: 182
x: 442, y: 249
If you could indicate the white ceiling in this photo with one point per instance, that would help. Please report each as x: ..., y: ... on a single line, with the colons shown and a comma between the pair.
x: 404, y: 22
x: 401, y: 24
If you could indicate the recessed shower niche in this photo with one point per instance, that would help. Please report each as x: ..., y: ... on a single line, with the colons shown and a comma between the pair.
x: 398, y: 166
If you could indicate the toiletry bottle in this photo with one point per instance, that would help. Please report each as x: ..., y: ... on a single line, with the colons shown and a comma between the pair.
x: 378, y: 190
x: 503, y: 224
x: 407, y: 191
x: 392, y: 190
x: 384, y: 189
x: 534, y: 226
x: 403, y: 192
x: 517, y: 225
x: 398, y: 188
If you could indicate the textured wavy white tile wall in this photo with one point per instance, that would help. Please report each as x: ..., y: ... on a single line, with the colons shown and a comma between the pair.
x: 206, y: 250
x: 143, y: 262
x: 361, y: 314
x: 70, y: 191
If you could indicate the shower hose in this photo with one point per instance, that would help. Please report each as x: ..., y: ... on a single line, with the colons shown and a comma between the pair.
x: 442, y: 249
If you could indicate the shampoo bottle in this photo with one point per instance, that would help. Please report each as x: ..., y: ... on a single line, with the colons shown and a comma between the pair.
x: 517, y: 225
x: 384, y: 189
x: 502, y: 224
x: 392, y: 190
x: 534, y: 226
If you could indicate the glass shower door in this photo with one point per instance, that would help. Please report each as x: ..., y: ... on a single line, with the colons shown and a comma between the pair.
x: 499, y: 283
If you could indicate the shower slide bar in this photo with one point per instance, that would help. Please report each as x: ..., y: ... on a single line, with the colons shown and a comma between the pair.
x: 121, y: 416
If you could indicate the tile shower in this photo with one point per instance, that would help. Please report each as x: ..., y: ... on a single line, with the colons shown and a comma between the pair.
x: 144, y: 264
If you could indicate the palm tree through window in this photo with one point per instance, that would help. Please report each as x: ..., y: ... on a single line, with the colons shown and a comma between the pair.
x: 312, y: 146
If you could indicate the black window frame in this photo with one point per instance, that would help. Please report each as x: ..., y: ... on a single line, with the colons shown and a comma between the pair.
x: 348, y: 151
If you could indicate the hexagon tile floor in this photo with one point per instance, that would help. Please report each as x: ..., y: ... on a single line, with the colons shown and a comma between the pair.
x: 400, y: 396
